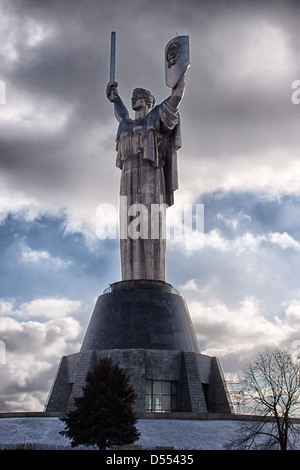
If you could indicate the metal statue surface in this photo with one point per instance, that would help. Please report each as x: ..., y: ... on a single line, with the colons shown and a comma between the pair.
x: 147, y: 156
x: 177, y: 59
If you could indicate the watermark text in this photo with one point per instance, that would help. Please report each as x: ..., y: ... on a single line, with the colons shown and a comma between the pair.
x: 296, y: 94
x: 140, y: 221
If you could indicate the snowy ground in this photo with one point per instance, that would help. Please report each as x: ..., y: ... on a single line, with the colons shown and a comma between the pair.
x: 181, y: 434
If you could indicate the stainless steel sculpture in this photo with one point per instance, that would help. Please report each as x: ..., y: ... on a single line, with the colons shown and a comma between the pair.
x: 147, y: 155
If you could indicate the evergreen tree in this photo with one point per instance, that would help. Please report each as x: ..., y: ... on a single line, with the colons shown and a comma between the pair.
x: 103, y: 415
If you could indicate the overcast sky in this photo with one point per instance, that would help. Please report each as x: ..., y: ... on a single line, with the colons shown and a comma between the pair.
x: 240, y: 158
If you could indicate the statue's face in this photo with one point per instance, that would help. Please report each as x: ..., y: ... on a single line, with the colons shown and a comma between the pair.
x: 137, y: 102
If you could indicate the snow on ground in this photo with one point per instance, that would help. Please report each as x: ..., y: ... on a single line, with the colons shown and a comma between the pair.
x: 181, y: 434
x: 186, y: 434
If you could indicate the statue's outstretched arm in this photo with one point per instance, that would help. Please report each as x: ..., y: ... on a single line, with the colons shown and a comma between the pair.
x: 113, y: 96
x: 177, y: 92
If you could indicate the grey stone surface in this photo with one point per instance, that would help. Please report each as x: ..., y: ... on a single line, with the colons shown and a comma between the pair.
x: 138, y: 315
x: 147, y: 330
x: 140, y: 364
x: 218, y: 402
x: 193, y: 383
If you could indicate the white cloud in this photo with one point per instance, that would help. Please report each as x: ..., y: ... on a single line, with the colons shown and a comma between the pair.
x: 235, y: 333
x: 37, y: 339
x: 293, y: 314
x: 262, y: 50
x: 46, y: 307
x: 284, y: 240
x: 17, y: 32
x: 37, y: 32
x: 234, y: 222
x: 6, y: 307
x: 24, y: 332
x: 31, y: 114
x: 249, y: 241
x: 33, y: 346
x: 50, y: 308
x: 17, y: 203
x: 41, y: 257
x: 270, y: 169
x: 190, y: 285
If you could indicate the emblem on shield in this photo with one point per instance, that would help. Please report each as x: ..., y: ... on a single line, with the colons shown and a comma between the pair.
x: 177, y: 59
x: 173, y: 53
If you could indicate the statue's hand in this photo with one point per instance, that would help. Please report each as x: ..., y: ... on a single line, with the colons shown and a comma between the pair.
x: 177, y: 92
x: 111, y: 91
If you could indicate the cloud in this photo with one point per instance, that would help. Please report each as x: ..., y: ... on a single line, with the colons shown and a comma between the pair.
x: 42, y: 258
x: 36, y: 334
x: 42, y: 308
x: 35, y: 338
x: 249, y: 241
x: 245, y: 242
x: 50, y: 308
x: 234, y: 335
x: 18, y: 204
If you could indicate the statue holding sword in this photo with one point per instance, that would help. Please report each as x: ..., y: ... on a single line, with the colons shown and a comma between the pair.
x: 147, y: 156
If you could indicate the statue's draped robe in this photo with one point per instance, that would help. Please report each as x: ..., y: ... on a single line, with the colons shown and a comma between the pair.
x: 146, y: 154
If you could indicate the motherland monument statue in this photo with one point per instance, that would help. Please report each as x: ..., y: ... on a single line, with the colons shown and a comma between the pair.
x: 141, y: 322
x: 146, y: 154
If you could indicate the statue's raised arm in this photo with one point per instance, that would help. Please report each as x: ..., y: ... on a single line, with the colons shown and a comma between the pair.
x: 119, y: 107
x: 177, y: 92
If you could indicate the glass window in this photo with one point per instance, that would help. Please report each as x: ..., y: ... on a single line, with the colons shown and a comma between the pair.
x: 157, y: 386
x: 166, y: 387
x: 161, y: 395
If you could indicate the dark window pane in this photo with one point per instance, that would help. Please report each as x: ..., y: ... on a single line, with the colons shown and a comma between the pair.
x: 166, y: 387
x: 174, y: 403
x: 157, y: 386
x: 148, y: 403
x: 167, y: 403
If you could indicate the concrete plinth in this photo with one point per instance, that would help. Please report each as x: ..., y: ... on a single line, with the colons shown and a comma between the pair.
x: 145, y: 327
x: 141, y: 315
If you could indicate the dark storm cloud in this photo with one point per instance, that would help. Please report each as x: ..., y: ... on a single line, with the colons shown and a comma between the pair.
x: 234, y: 103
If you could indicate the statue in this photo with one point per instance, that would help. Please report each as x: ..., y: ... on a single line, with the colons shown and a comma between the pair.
x: 146, y: 154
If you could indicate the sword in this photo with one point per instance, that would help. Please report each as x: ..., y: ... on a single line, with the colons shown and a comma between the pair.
x: 112, y: 56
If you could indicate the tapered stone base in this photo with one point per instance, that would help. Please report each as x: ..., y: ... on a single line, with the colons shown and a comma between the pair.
x: 145, y: 327
x: 141, y: 314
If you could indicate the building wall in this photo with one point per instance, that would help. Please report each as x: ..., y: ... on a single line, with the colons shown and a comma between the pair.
x: 201, y: 387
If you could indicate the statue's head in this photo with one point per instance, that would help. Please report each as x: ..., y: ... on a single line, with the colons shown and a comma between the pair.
x: 142, y: 94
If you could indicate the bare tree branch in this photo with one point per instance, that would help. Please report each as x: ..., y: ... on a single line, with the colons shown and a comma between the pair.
x: 270, y: 387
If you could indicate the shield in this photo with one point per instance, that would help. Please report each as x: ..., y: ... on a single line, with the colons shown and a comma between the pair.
x: 177, y: 59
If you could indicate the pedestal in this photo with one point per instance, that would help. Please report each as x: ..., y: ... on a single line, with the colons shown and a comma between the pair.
x: 145, y: 327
